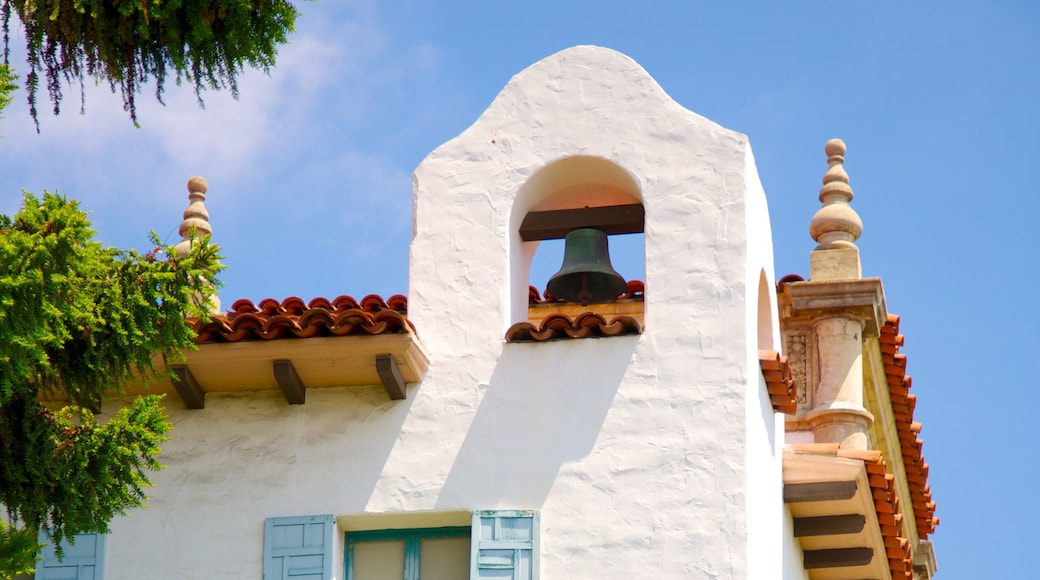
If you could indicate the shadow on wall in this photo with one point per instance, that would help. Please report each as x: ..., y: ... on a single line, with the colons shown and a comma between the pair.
x: 247, y: 453
x: 545, y: 406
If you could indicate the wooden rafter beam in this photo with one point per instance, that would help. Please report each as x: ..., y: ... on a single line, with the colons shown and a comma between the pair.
x: 292, y: 387
x: 555, y: 224
x: 823, y: 491
x: 829, y: 525
x: 188, y: 388
x: 837, y: 558
x: 390, y: 376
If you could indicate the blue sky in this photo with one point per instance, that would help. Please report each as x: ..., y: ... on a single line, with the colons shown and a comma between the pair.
x: 310, y: 190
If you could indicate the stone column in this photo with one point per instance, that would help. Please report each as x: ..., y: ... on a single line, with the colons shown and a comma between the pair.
x: 838, y: 415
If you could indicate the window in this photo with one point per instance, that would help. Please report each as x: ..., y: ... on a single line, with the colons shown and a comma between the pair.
x: 500, y: 545
x: 411, y: 554
x: 299, y: 547
x: 84, y: 559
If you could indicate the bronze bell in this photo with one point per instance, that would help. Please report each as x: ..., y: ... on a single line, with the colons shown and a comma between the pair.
x: 586, y: 274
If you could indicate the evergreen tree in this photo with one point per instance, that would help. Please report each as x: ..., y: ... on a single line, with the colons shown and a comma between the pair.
x: 77, y: 320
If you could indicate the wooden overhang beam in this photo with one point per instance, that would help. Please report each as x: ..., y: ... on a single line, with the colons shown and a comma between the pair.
x: 823, y: 491
x: 556, y: 224
x: 829, y: 525
x: 390, y: 376
x: 292, y: 387
x: 835, y: 514
x: 187, y: 387
x: 837, y: 558
x: 250, y: 366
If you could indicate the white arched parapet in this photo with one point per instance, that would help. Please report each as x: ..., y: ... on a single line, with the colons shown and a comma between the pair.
x: 765, y: 313
x: 586, y: 115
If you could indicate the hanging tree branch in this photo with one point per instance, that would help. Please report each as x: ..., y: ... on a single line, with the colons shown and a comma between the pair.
x: 128, y: 43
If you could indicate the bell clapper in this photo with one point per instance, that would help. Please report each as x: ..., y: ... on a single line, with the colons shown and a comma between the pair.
x: 584, y: 296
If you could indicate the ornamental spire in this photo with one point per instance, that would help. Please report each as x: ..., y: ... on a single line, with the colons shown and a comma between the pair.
x: 836, y: 226
x: 196, y: 216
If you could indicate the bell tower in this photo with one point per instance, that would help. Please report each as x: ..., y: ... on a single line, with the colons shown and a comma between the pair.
x: 636, y: 408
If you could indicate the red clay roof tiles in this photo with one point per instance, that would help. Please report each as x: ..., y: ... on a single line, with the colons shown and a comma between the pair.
x: 585, y: 325
x: 292, y: 318
x: 779, y: 381
x: 903, y: 404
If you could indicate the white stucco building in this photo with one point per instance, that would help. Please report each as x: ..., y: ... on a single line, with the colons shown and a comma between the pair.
x: 702, y: 425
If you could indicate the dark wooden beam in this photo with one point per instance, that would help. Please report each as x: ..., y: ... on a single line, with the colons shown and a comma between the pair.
x: 391, y: 377
x: 293, y: 388
x: 829, y: 525
x: 554, y: 225
x: 837, y: 558
x: 188, y: 388
x: 824, y: 491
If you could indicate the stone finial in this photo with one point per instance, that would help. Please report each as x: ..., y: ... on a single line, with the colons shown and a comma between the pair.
x: 196, y: 216
x: 836, y: 224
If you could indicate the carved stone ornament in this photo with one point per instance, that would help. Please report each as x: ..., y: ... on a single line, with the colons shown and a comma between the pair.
x: 796, y: 355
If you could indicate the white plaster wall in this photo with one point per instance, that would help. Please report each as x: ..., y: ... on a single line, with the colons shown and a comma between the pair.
x: 244, y: 458
x: 651, y: 456
x: 765, y: 428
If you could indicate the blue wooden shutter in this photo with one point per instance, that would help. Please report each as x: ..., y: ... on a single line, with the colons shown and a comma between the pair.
x: 84, y: 560
x: 298, y: 548
x: 505, y: 545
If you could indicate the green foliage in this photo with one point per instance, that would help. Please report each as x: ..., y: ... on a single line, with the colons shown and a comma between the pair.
x: 18, y: 549
x: 7, y: 86
x: 78, y: 317
x: 127, y: 44
x: 77, y: 320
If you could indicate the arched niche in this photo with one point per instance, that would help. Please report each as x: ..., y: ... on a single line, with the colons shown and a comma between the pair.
x: 571, y: 183
x: 765, y: 314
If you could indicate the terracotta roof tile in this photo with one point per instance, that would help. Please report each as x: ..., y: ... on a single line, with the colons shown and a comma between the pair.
x: 634, y: 289
x: 293, y: 318
x: 787, y: 279
x: 585, y: 325
x: 903, y: 404
x: 779, y: 381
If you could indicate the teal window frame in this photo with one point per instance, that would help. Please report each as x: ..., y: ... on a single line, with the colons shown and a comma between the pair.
x: 412, y: 538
